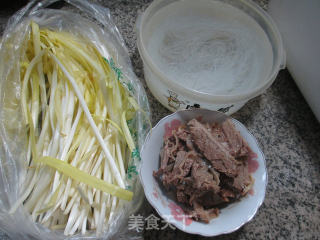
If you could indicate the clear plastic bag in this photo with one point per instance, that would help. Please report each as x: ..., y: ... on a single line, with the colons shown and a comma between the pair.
x: 94, y: 22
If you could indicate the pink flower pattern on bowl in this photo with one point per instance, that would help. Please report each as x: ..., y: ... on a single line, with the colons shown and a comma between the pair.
x: 253, y: 164
x: 155, y: 194
x: 170, y: 126
x: 178, y: 214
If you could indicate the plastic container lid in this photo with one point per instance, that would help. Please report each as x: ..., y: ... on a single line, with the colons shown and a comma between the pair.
x: 186, y: 42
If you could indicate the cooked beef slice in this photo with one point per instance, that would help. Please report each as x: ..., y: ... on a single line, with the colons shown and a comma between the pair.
x: 203, y: 179
x: 210, y: 200
x: 205, y: 215
x: 168, y: 153
x: 219, y: 135
x: 239, y: 184
x: 227, y: 194
x: 184, y: 135
x: 242, y: 180
x: 185, y: 190
x: 205, y: 165
x: 215, y: 174
x: 238, y: 146
x: 182, y: 166
x: 212, y: 149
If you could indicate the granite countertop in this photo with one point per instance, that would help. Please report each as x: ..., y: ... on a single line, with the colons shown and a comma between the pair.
x: 286, y: 130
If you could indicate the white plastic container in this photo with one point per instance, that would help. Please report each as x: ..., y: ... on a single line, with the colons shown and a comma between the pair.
x: 214, y: 54
x: 298, y: 22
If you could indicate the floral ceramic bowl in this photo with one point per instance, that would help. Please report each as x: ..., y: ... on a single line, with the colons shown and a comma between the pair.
x: 231, y: 217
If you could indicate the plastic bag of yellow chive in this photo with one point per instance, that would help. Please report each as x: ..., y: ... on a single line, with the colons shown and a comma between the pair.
x: 72, y: 118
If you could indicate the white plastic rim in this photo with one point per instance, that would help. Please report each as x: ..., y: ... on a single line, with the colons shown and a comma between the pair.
x: 252, y: 9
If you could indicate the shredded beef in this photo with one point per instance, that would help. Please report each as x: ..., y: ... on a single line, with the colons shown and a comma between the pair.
x: 238, y: 146
x: 212, y: 149
x: 205, y: 166
x: 205, y: 215
x: 242, y: 180
x: 184, y: 135
x: 203, y: 179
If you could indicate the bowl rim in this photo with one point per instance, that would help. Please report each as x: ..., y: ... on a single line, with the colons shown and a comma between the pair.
x: 214, y: 98
x: 170, y: 220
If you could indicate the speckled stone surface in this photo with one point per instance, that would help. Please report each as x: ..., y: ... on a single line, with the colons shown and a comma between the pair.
x: 289, y: 136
